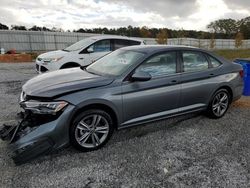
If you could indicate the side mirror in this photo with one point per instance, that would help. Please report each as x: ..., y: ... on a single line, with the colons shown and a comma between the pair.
x: 90, y: 49
x: 141, y: 76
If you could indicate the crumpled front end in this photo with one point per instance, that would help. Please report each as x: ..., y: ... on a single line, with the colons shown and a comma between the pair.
x: 37, y: 134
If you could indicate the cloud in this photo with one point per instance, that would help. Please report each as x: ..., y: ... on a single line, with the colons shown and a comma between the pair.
x: 166, y: 8
x: 75, y: 14
x: 240, y: 4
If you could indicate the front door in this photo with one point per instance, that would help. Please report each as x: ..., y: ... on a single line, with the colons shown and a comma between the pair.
x: 96, y: 51
x: 156, y: 98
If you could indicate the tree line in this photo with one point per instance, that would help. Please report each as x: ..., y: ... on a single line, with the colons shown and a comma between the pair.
x: 222, y: 28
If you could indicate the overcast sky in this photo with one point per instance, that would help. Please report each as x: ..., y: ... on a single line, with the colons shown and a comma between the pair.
x: 75, y: 14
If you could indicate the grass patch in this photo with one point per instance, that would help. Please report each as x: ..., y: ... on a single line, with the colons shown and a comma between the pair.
x: 34, y: 55
x: 233, y: 54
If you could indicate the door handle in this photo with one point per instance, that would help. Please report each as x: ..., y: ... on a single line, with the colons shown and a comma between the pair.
x: 174, y: 81
x: 211, y: 75
x: 81, y: 58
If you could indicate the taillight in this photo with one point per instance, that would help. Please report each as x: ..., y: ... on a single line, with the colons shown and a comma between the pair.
x: 241, y: 73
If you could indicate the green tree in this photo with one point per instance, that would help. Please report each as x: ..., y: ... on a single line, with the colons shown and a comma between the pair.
x: 3, y: 27
x: 37, y: 28
x: 144, y: 32
x: 226, y: 26
x: 244, y: 27
x: 200, y: 38
x: 239, y: 40
x: 180, y: 35
x: 18, y: 27
x: 162, y: 36
x: 212, y: 41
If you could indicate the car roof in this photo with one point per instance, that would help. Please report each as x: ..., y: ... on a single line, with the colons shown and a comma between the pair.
x: 99, y: 37
x: 153, y: 48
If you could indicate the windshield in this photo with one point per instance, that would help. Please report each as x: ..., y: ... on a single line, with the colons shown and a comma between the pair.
x: 80, y: 44
x: 115, y: 63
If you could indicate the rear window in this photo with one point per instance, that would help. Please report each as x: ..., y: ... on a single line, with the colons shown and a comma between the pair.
x: 194, y: 61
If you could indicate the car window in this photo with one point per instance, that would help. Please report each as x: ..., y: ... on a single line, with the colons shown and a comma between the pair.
x: 119, y: 43
x: 133, y: 42
x: 101, y: 46
x: 80, y: 44
x: 115, y: 63
x: 161, y: 64
x: 214, y: 62
x: 194, y: 61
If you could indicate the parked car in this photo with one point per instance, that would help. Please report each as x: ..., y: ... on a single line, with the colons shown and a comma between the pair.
x: 130, y: 86
x: 83, y: 52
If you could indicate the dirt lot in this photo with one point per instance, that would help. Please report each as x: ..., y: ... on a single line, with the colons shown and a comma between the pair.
x: 188, y: 151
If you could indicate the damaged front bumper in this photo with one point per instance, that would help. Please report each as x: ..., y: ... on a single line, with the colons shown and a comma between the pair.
x: 35, y: 135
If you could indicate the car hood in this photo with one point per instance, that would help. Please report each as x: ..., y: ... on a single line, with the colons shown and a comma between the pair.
x: 53, y: 54
x: 63, y: 81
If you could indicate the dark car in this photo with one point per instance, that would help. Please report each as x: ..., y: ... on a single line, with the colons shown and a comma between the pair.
x: 130, y: 86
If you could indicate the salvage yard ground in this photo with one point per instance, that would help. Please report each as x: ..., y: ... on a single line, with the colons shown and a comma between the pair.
x: 188, y: 151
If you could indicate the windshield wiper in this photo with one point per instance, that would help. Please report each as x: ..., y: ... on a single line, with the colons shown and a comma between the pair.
x: 65, y: 50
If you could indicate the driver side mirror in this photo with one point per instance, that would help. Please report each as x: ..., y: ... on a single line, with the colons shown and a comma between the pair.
x: 90, y: 49
x: 141, y: 76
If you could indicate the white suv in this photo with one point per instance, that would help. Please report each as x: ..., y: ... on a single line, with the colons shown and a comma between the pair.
x: 83, y: 52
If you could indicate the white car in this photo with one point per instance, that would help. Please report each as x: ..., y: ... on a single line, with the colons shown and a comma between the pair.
x: 83, y: 52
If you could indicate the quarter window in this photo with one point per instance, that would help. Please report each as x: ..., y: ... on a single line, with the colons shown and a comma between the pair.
x: 162, y: 64
x: 214, y: 62
x: 132, y: 42
x: 119, y: 43
x: 194, y: 61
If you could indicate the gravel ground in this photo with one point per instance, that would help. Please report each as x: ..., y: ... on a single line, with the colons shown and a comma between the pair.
x: 188, y: 151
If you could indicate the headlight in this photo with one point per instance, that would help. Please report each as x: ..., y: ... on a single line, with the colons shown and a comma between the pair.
x: 38, y: 107
x: 51, y: 60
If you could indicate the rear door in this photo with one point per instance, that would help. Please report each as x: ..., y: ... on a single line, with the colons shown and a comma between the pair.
x: 197, y: 80
x: 158, y: 97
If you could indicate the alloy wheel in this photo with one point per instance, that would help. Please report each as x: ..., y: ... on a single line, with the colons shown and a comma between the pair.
x: 220, y: 103
x: 92, y: 131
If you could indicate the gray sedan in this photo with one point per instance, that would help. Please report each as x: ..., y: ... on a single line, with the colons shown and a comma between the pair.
x: 133, y: 85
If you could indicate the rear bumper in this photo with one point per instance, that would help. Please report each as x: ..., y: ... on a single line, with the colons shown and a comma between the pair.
x: 42, y: 139
x: 238, y: 90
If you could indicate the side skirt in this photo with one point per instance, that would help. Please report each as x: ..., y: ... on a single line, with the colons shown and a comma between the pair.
x: 160, y: 118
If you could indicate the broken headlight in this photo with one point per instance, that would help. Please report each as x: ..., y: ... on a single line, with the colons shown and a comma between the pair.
x: 38, y: 107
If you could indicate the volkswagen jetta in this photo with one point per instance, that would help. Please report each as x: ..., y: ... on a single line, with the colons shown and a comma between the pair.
x: 133, y: 85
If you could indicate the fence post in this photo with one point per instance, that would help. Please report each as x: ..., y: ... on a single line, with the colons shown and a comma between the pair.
x: 44, y: 39
x: 55, y: 41
x: 29, y: 37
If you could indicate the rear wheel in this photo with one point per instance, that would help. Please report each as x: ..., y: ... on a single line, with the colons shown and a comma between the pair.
x: 91, y: 130
x: 219, y: 104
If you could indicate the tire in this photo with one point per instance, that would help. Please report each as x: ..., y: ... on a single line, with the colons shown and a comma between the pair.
x: 91, y: 130
x: 70, y: 65
x: 219, y: 104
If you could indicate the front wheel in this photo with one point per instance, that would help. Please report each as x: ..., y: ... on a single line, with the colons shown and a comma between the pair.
x: 91, y: 130
x: 219, y: 104
x: 70, y: 65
